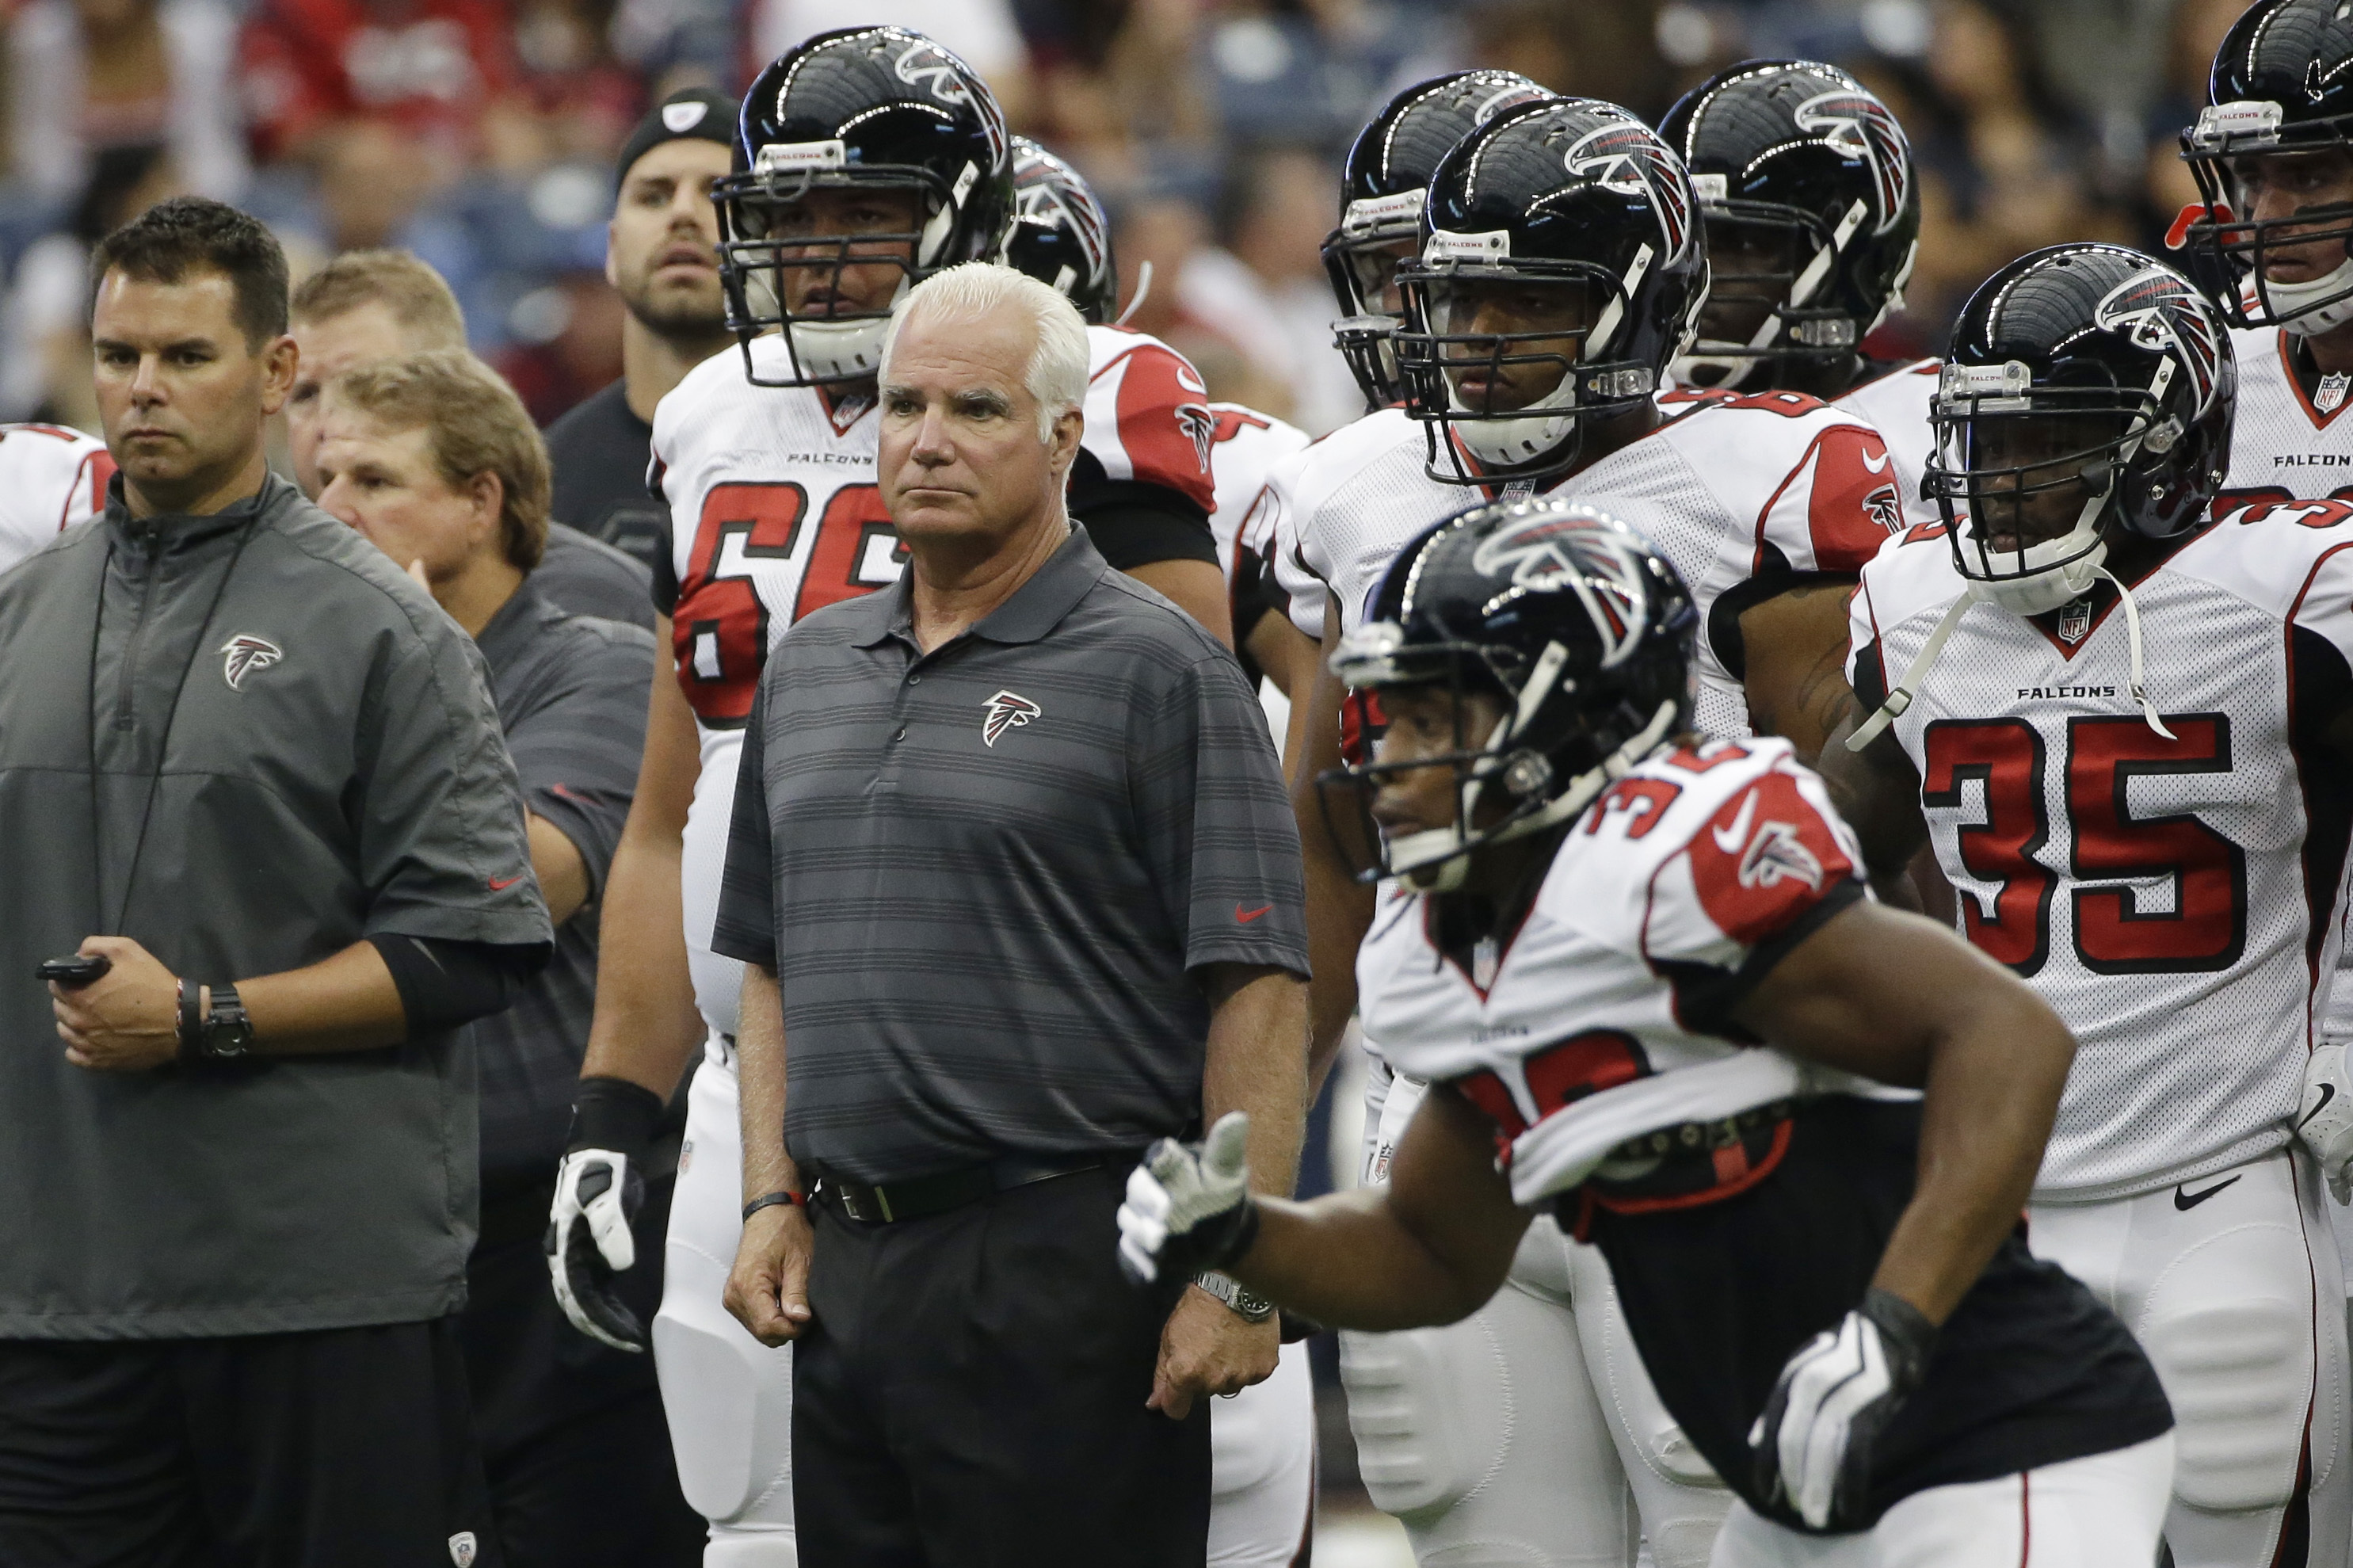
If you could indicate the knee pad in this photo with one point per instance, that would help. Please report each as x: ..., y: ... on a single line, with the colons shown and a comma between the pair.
x: 751, y: 1549
x: 729, y: 1399
x: 1493, y: 1412
x: 2239, y: 1377
x: 1423, y: 1404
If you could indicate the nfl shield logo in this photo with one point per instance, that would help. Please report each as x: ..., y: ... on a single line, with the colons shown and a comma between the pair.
x: 2076, y: 621
x: 461, y: 1549
x: 2330, y: 392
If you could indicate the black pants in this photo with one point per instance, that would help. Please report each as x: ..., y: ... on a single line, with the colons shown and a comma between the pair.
x: 574, y: 1440
x: 971, y: 1394
x: 340, y: 1448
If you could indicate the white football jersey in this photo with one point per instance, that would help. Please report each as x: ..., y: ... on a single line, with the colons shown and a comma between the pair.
x: 773, y: 513
x: 2284, y: 444
x: 50, y: 478
x: 1896, y: 406
x: 1629, y: 962
x: 1729, y: 489
x: 1248, y: 446
x: 2174, y: 900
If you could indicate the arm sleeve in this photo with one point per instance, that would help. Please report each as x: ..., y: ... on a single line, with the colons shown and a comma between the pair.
x: 1134, y: 524
x: 1771, y: 864
x: 746, y: 927
x: 577, y: 752
x: 442, y: 846
x: 1215, y: 821
x: 443, y: 984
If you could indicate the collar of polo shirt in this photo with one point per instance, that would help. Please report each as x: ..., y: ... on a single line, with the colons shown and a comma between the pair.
x: 1036, y: 608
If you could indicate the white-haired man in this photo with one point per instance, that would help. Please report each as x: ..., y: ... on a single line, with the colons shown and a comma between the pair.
x: 1011, y: 869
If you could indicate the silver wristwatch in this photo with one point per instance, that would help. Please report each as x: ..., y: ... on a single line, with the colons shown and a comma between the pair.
x: 1251, y: 1307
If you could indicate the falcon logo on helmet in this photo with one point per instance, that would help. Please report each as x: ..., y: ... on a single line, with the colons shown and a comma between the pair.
x: 2161, y: 313
x: 1860, y: 126
x: 926, y: 65
x: 1577, y: 552
x: 1628, y: 157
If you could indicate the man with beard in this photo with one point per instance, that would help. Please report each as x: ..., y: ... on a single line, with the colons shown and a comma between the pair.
x: 661, y: 253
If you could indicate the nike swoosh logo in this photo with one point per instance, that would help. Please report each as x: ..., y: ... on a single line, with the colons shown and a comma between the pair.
x: 1730, y: 840
x: 500, y: 883
x: 1879, y: 466
x: 2188, y: 1201
x: 2327, y: 1093
x: 1246, y: 917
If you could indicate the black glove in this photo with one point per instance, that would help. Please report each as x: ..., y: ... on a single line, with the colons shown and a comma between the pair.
x: 1837, y: 1395
x: 598, y: 1189
x: 1188, y: 1206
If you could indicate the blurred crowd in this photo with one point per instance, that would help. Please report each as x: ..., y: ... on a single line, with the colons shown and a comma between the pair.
x: 481, y: 135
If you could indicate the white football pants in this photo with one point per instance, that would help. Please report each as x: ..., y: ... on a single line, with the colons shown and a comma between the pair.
x: 1528, y: 1433
x: 2231, y: 1285
x: 2102, y: 1511
x: 729, y: 1398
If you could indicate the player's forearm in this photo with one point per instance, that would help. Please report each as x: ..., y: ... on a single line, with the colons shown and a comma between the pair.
x: 646, y: 1029
x: 1339, y: 912
x: 760, y: 1079
x: 1257, y: 1062
x: 1994, y: 1081
x: 1348, y: 1262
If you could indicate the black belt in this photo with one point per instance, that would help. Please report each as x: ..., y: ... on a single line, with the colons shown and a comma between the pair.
x: 921, y: 1197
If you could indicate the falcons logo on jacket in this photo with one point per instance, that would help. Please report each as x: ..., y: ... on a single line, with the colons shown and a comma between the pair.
x: 1007, y: 710
x: 244, y: 653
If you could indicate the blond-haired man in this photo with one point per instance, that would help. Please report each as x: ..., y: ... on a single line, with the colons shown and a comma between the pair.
x: 367, y: 306
x: 432, y: 457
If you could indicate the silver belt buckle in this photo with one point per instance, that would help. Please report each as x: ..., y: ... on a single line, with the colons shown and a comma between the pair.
x: 849, y: 1206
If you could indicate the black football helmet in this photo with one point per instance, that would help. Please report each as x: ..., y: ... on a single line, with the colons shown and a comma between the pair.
x: 859, y: 108
x: 1381, y: 192
x: 2095, y: 376
x: 1797, y: 162
x: 1577, y: 205
x: 1059, y: 234
x: 2283, y: 84
x: 1574, y: 620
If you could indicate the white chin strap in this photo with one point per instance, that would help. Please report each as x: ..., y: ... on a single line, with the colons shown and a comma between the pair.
x: 2296, y: 306
x: 1437, y: 859
x: 2043, y: 592
x: 842, y: 351
x: 1535, y: 434
x: 1709, y: 366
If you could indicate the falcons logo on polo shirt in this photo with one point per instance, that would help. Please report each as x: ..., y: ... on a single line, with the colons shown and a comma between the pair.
x: 244, y: 653
x: 1007, y: 710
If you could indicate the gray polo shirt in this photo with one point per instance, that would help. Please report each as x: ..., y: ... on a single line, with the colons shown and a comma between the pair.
x: 571, y: 690
x: 332, y: 770
x: 985, y: 876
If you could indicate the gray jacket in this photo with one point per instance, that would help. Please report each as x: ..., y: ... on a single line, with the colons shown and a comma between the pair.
x: 333, y: 770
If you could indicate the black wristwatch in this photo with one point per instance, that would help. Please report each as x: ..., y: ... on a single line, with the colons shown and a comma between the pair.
x: 1251, y: 1307
x: 227, y: 1033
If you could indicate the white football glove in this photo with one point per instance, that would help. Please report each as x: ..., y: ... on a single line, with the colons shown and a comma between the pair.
x: 1188, y: 1206
x: 2324, y: 1124
x: 1813, y: 1443
x: 597, y: 1193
